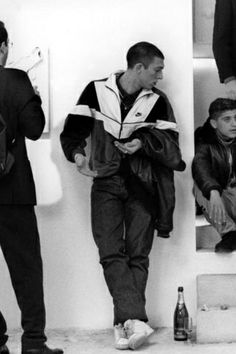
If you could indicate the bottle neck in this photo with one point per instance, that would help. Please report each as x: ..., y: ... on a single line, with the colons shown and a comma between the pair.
x: 180, y: 298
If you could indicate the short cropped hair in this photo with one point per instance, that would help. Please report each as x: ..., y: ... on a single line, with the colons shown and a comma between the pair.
x: 220, y: 105
x: 142, y: 52
x: 3, y: 34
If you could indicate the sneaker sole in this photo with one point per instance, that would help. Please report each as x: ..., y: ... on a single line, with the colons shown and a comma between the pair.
x: 122, y: 344
x: 136, y: 340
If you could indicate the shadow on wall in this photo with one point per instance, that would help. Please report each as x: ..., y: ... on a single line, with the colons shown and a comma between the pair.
x: 61, y: 190
x: 53, y: 174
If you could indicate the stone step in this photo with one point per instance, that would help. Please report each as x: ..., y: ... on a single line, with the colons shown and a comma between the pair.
x: 216, y: 308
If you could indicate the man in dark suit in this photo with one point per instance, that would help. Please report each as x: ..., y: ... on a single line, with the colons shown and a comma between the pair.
x: 224, y: 44
x: 19, y: 238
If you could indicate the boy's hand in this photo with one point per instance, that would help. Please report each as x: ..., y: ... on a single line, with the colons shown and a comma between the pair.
x: 217, y: 211
x: 130, y: 147
x: 83, y: 166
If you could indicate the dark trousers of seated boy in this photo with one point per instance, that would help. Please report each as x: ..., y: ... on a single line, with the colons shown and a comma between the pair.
x: 123, y: 231
x: 229, y: 199
x: 19, y: 240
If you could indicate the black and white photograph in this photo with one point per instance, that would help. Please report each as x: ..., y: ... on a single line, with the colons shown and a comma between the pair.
x: 117, y: 176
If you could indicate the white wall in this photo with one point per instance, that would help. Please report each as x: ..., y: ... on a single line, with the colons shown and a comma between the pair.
x: 205, y: 78
x: 87, y: 40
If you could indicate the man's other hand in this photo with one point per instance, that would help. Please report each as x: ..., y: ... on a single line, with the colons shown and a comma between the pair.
x: 130, y: 147
x: 82, y: 166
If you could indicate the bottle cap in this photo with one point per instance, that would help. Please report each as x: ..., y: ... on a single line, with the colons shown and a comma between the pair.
x: 180, y: 288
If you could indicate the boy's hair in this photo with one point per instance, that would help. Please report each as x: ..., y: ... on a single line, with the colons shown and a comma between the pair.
x: 3, y: 33
x: 142, y: 52
x: 220, y: 105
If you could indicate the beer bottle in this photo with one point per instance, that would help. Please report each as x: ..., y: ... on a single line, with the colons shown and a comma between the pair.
x: 180, y: 317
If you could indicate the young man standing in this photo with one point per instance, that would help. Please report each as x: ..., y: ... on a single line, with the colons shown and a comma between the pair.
x: 134, y: 150
x: 19, y: 239
x: 214, y: 171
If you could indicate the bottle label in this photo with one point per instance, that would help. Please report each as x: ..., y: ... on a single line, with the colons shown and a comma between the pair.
x: 179, y: 330
x: 180, y: 333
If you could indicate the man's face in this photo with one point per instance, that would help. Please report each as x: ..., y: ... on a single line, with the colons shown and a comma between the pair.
x: 226, y: 123
x: 149, y: 76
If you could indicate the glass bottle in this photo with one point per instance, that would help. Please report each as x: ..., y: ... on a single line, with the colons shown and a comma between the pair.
x: 180, y: 317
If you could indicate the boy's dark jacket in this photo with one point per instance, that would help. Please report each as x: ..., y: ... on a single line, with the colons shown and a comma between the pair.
x: 154, y: 164
x: 210, y: 167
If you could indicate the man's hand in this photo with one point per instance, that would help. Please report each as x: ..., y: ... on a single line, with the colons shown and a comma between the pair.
x: 230, y: 89
x: 130, y: 147
x: 217, y: 211
x: 83, y: 166
x: 36, y: 90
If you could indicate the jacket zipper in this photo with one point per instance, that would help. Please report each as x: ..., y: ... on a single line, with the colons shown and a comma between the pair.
x: 118, y: 97
x: 121, y: 127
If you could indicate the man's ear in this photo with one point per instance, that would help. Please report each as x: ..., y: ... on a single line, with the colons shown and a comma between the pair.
x: 3, y: 47
x: 213, y: 123
x: 138, y: 67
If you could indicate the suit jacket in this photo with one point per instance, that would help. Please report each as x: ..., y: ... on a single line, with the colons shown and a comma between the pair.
x: 22, y: 112
x: 224, y: 38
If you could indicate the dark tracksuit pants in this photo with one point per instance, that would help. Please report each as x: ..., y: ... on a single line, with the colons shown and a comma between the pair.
x: 123, y: 231
x: 19, y: 240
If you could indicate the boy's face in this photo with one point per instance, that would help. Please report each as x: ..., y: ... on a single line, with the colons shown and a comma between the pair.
x: 226, y: 123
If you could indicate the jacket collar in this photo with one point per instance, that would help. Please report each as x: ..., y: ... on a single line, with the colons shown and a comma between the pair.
x: 111, y: 84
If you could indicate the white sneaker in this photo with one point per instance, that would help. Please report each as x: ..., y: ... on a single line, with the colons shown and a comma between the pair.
x: 121, y: 340
x: 137, y: 333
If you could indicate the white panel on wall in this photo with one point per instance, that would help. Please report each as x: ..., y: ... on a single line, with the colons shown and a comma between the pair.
x: 207, y: 88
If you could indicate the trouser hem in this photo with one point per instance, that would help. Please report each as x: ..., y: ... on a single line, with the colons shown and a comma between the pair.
x: 32, y: 345
x: 3, y: 339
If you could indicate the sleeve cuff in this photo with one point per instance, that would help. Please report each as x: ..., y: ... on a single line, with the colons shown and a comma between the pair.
x: 228, y: 79
x: 208, y: 191
x: 77, y: 151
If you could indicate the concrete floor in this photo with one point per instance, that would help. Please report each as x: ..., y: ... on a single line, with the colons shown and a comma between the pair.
x: 76, y: 341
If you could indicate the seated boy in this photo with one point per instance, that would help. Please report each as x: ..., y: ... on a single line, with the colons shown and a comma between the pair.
x: 214, y: 171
